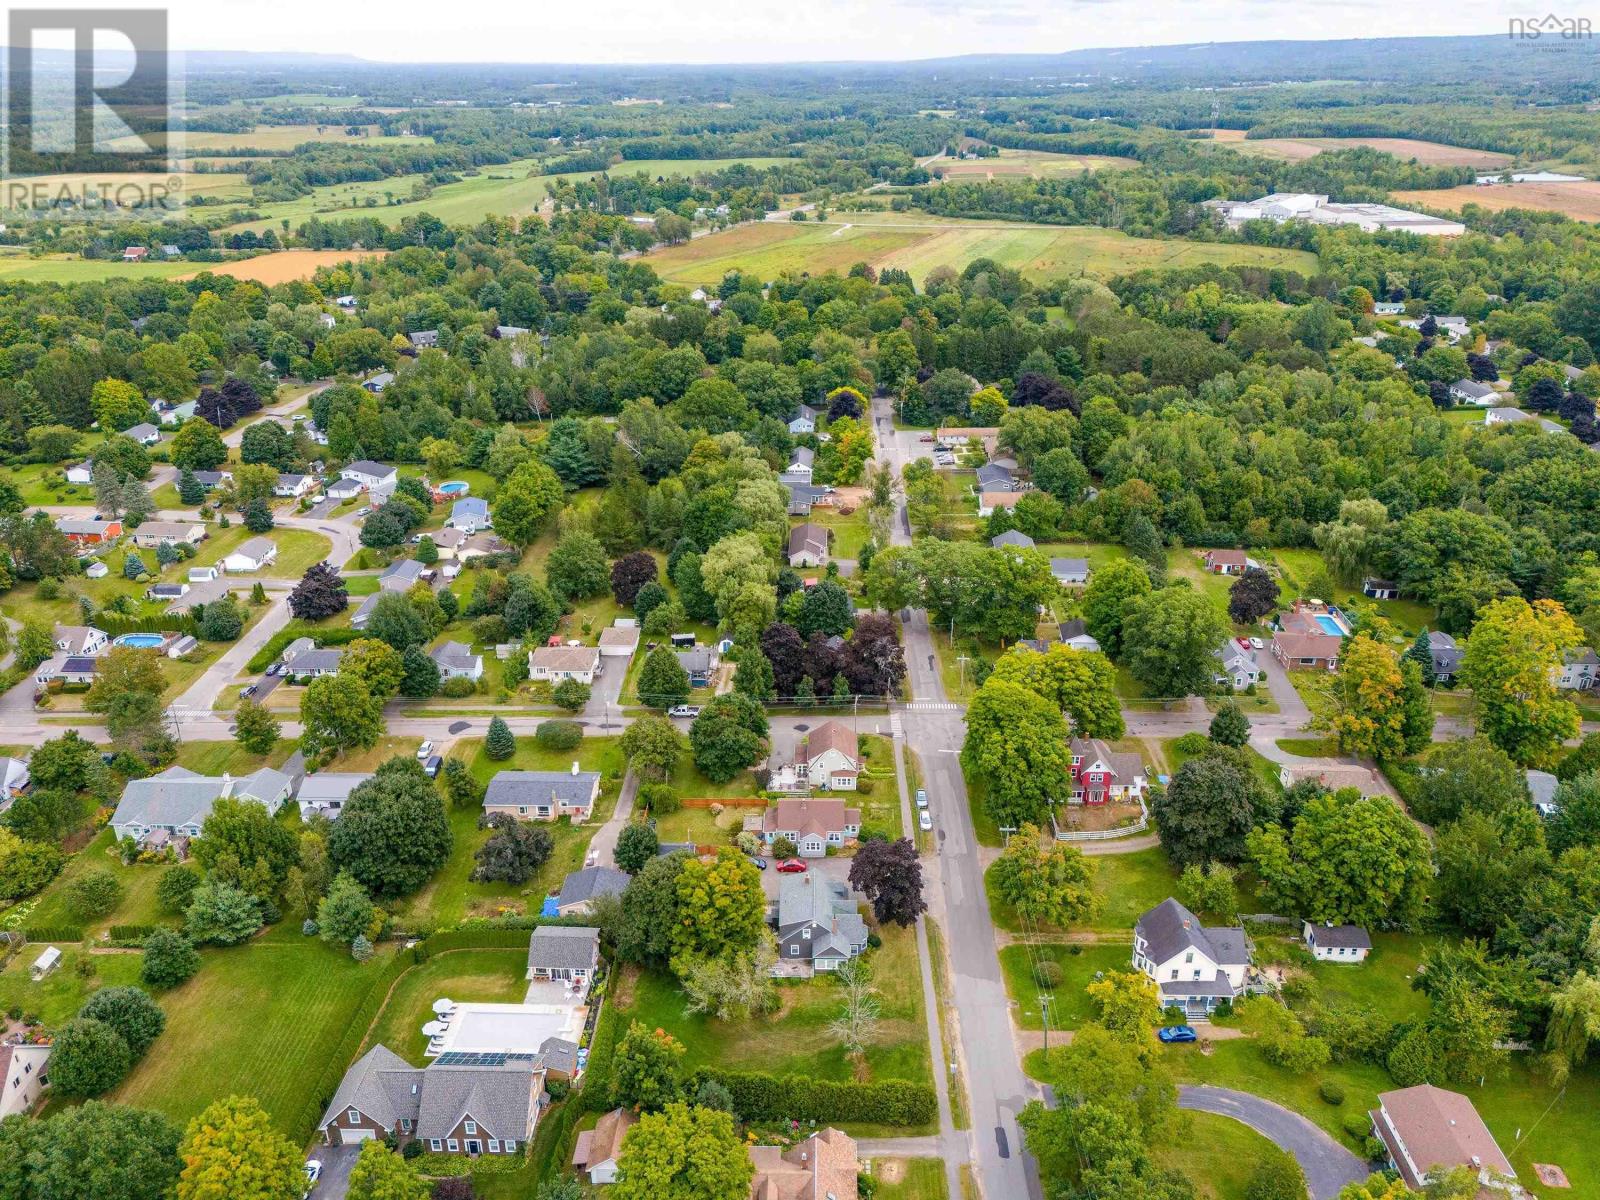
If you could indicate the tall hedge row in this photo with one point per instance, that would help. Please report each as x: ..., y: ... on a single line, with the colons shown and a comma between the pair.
x: 794, y: 1097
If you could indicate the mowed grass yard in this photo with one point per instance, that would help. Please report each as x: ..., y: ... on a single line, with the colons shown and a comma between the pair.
x: 258, y: 1020
x: 917, y: 243
x: 1217, y: 1153
x: 1069, y: 1003
x: 57, y: 997
x: 451, y: 894
x: 795, y: 1039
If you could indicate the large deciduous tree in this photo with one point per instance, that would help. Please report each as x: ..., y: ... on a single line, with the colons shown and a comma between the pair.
x: 1206, y: 812
x: 393, y: 832
x: 1253, y: 595
x: 320, y: 593
x: 1511, y: 663
x: 629, y: 574
x: 684, y: 1153
x: 889, y: 875
x: 1383, y: 707
x: 1466, y: 775
x: 1045, y: 880
x: 88, y: 1152
x: 1017, y: 744
x: 652, y: 745
x: 647, y: 1068
x: 1349, y: 859
x: 381, y: 1174
x: 87, y: 1057
x: 527, y: 499
x: 1081, y: 684
x: 232, y: 1151
x: 338, y: 713
x: 1168, y: 641
x: 721, y: 909
x: 728, y: 736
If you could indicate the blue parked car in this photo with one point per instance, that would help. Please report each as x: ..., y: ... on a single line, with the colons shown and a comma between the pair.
x: 1177, y: 1033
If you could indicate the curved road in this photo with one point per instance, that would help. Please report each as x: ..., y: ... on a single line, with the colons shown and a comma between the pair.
x: 1328, y: 1166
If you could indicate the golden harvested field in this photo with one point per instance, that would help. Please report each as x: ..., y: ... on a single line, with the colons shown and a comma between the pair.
x: 1018, y: 163
x: 918, y: 243
x: 1433, y: 154
x: 284, y: 265
x: 1578, y: 200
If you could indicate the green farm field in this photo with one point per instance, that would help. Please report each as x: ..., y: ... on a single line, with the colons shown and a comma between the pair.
x: 57, y: 269
x: 286, y: 137
x: 513, y: 189
x: 918, y: 244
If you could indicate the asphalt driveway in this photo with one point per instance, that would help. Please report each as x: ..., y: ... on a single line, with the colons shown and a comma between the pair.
x: 336, y: 1163
x: 1328, y: 1166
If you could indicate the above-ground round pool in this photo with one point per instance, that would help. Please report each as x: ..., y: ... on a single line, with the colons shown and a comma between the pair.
x: 140, y: 641
x: 454, y: 487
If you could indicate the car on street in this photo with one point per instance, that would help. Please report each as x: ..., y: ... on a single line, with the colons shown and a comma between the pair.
x: 424, y: 751
x: 1177, y: 1033
x: 927, y: 437
x: 313, y: 1173
x: 247, y: 691
x: 1257, y: 644
x: 922, y: 798
x: 433, y: 766
x: 761, y: 863
x: 924, y: 820
x: 684, y: 710
x: 791, y: 866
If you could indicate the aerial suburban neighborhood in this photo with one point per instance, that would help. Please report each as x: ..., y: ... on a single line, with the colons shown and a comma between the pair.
x: 922, y: 603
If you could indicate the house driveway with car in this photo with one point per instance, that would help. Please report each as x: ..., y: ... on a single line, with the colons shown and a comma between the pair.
x: 336, y: 1164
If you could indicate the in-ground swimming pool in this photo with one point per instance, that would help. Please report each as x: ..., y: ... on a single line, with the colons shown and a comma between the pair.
x: 455, y: 487
x: 140, y: 641
x: 1330, y: 625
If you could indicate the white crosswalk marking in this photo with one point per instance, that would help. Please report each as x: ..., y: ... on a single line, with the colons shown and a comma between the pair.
x: 932, y: 706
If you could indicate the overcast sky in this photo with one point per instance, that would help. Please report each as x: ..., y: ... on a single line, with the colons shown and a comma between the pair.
x: 712, y: 31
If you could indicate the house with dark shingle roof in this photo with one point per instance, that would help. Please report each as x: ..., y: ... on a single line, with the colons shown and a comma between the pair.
x: 581, y: 888
x: 1013, y: 539
x: 488, y: 1105
x: 1336, y: 943
x: 808, y: 545
x: 176, y: 803
x: 1194, y: 967
x: 817, y: 924
x: 563, y: 952
x: 543, y: 795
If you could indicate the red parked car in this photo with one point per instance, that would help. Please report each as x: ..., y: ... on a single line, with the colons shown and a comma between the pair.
x: 791, y: 865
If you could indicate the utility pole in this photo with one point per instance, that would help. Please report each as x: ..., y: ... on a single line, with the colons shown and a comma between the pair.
x: 1044, y: 1011
x: 963, y: 660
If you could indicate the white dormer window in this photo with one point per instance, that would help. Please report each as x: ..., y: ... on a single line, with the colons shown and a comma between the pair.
x: 353, y: 1116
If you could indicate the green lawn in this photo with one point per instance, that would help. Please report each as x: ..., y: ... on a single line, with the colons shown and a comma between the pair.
x: 1382, y: 983
x: 795, y: 1041
x: 58, y: 996
x: 1069, y: 1003
x: 850, y: 533
x: 914, y: 1179
x: 138, y: 904
x: 1300, y: 565
x: 1217, y: 1153
x: 451, y: 894
x: 481, y: 976
x: 258, y: 1020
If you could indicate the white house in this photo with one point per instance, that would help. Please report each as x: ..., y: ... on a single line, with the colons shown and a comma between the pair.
x: 293, y: 486
x: 470, y: 514
x: 80, y: 639
x: 144, y: 433
x: 457, y: 661
x: 370, y: 475
x: 252, y: 555
x: 804, y: 420
x: 621, y: 639
x: 1336, y: 943
x: 1505, y: 416
x: 1579, y: 669
x: 22, y: 1076
x: 1075, y: 634
x: 557, y: 663
x: 989, y: 501
x: 1194, y: 967
x: 1070, y: 572
x: 1468, y: 391
x: 175, y: 803
x: 808, y: 545
x: 151, y: 534
x: 81, y: 473
x: 1237, y: 667
x: 204, y: 574
x: 14, y: 780
x: 327, y: 792
x: 800, y: 466
x: 829, y: 757
x: 543, y: 795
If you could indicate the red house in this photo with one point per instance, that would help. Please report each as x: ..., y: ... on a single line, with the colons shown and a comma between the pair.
x: 1101, y: 774
x: 87, y: 532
